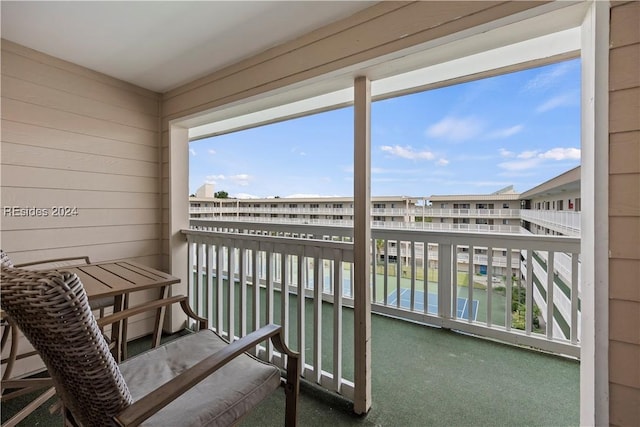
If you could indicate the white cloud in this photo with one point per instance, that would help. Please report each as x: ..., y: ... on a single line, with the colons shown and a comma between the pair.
x: 456, y: 129
x: 531, y: 159
x: 442, y: 162
x: 245, y: 196
x: 506, y: 153
x: 561, y: 154
x: 192, y: 151
x: 240, y: 179
x: 528, y: 154
x: 556, y: 102
x: 517, y: 165
x: 547, y: 78
x: 212, y: 179
x: 212, y: 151
x: 408, y: 152
x: 506, y: 132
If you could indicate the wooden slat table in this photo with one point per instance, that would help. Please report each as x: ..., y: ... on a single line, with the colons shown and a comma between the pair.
x: 118, y: 279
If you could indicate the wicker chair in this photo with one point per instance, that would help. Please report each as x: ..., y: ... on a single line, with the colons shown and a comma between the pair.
x: 196, y: 380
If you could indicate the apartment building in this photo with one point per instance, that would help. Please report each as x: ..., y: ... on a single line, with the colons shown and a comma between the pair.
x: 500, y: 211
x: 554, y: 206
x: 305, y: 210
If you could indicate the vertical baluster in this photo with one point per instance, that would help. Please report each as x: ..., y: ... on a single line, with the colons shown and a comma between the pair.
x: 425, y: 273
x: 269, y: 292
x: 301, y: 309
x: 242, y: 264
x: 210, y: 283
x: 351, y: 281
x: 220, y: 288
x: 374, y: 263
x: 489, y: 284
x: 256, y: 288
x: 550, y: 286
x: 574, y: 298
x: 386, y: 273
x: 529, y: 293
x: 318, y: 279
x: 444, y: 280
x: 231, y: 308
x: 337, y: 320
x: 469, y: 306
x: 508, y: 290
x: 200, y: 302
x: 413, y: 275
x: 191, y: 283
x: 285, y: 262
x: 398, y: 272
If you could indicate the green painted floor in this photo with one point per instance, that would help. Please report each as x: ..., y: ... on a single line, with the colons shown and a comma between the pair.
x: 424, y: 376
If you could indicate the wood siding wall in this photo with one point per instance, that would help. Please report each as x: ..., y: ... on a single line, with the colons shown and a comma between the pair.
x: 74, y: 137
x: 379, y: 30
x: 624, y: 214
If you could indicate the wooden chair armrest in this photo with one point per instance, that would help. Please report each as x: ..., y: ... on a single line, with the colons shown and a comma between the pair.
x: 152, y: 305
x: 48, y: 261
x: 171, y: 390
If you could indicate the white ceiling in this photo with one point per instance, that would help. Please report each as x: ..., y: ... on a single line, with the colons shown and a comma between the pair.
x: 160, y: 45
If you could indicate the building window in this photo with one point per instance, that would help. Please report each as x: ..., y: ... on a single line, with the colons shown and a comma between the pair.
x: 293, y: 205
x: 337, y: 205
x: 314, y: 205
x: 505, y: 206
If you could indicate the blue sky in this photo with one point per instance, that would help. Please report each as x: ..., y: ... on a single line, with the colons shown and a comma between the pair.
x: 517, y: 129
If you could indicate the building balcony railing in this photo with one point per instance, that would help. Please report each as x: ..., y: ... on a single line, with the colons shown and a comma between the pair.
x: 270, y: 265
x: 565, y: 222
x: 230, y: 210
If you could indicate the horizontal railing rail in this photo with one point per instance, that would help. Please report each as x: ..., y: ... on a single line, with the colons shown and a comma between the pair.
x: 245, y: 274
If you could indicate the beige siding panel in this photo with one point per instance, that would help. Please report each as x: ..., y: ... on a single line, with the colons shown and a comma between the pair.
x: 25, y: 240
x: 624, y: 405
x: 131, y: 250
x: 92, y: 217
x: 624, y: 317
x: 624, y: 153
x: 19, y: 61
x: 25, y: 155
x: 24, y: 112
x: 36, y: 136
x: 22, y: 176
x: 82, y: 199
x: 623, y: 279
x: 623, y: 237
x: 627, y: 355
x: 405, y: 27
x: 625, y: 61
x: 624, y: 195
x: 624, y: 110
x: 625, y: 29
x: 21, y: 90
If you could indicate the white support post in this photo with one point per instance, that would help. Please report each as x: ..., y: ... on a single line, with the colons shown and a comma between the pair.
x: 594, y: 340
x: 362, y: 242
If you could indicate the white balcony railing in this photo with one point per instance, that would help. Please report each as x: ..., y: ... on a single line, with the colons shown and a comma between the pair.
x: 565, y: 222
x: 273, y: 264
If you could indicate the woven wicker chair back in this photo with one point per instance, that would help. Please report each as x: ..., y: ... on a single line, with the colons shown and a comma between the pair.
x: 5, y: 261
x: 52, y: 310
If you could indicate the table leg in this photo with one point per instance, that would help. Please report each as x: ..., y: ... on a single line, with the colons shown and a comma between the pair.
x: 115, y: 330
x: 157, y: 333
x: 123, y: 334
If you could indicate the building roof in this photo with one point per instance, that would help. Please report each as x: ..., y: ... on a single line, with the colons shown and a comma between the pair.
x: 568, y: 181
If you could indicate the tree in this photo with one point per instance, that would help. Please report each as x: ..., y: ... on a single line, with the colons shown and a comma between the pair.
x: 221, y: 195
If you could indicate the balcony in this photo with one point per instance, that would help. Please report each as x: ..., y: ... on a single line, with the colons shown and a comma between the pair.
x: 437, y: 287
x: 565, y: 222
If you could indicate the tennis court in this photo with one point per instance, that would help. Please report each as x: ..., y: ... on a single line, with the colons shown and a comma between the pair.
x: 462, y: 309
